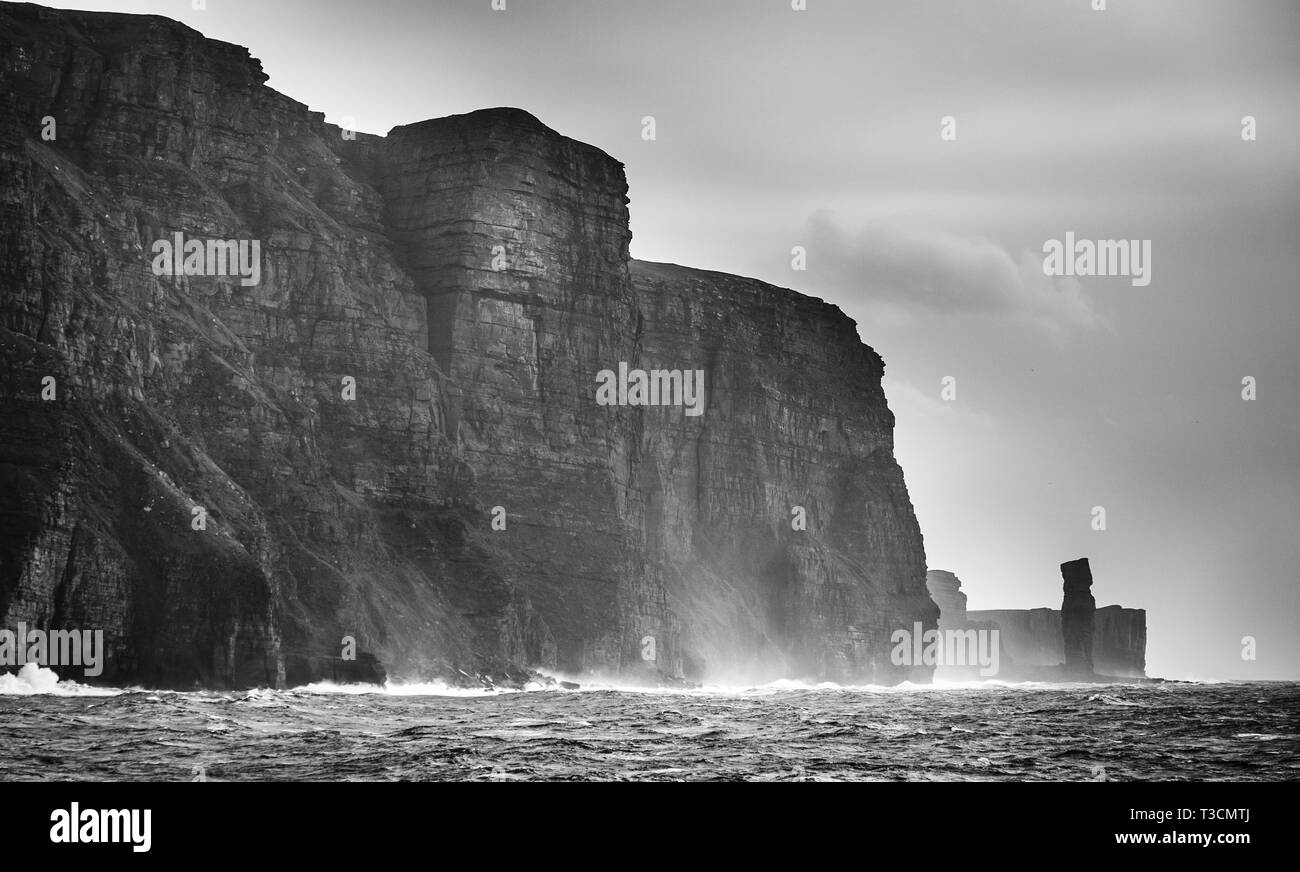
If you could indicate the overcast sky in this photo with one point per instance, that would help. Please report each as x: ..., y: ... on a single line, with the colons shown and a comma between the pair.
x: 821, y: 128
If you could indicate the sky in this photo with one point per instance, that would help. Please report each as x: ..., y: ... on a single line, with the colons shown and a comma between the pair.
x: 821, y: 128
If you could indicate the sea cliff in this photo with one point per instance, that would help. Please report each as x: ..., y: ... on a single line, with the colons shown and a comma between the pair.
x: 390, y: 440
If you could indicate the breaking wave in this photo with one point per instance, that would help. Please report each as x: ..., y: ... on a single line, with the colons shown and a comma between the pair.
x: 33, y: 680
x: 783, y: 730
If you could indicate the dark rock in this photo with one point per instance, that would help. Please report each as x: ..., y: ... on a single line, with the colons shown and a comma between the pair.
x: 945, y: 590
x: 370, y: 518
x: 1077, y: 612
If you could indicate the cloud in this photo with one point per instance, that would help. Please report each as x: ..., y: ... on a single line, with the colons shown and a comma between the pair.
x: 912, y: 406
x: 931, y: 271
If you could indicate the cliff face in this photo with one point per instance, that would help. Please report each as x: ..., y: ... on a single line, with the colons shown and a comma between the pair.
x: 467, y: 278
x: 177, y: 393
x: 780, y: 515
x: 1033, y: 638
x: 1119, y: 642
x: 517, y: 238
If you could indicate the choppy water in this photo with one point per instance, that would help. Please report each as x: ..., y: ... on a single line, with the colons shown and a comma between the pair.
x: 776, y: 732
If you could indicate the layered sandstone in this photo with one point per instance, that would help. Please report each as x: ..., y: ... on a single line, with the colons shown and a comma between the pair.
x: 470, y: 276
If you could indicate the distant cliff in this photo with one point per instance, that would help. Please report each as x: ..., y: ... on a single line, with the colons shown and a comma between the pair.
x: 392, y: 436
x: 1032, y: 637
x: 1032, y: 641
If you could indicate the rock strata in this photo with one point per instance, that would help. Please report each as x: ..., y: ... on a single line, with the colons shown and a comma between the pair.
x: 392, y: 437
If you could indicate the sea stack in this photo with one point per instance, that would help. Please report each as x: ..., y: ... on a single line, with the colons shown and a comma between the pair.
x: 945, y: 590
x: 1077, y: 609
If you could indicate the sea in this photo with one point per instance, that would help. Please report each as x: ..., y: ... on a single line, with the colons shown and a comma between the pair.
x: 52, y: 730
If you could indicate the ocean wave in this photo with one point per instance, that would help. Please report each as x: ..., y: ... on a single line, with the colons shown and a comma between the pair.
x: 779, y: 731
x: 1112, y: 700
x: 787, y: 685
x: 34, y: 680
x: 411, y: 688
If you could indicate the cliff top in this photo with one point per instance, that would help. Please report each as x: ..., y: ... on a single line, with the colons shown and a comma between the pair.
x: 111, y: 32
x: 677, y: 272
x: 497, y: 117
x: 111, y: 29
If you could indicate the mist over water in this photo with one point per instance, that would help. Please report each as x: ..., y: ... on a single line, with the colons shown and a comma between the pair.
x: 780, y: 731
